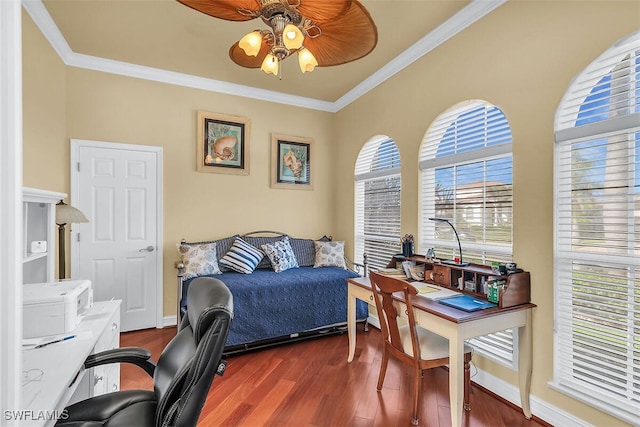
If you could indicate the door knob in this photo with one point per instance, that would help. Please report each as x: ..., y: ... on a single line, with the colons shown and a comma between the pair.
x: 148, y: 249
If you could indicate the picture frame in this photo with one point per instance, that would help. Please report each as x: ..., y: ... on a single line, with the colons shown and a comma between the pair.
x: 222, y: 144
x: 291, y: 166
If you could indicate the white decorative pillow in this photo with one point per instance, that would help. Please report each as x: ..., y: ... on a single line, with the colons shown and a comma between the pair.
x: 242, y: 257
x: 329, y: 254
x: 281, y: 255
x: 199, y: 259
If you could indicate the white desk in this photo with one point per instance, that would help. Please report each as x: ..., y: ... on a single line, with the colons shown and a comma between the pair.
x: 62, y: 365
x: 457, y: 326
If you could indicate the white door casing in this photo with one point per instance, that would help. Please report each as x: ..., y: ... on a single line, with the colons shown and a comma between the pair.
x: 119, y: 188
x: 11, y: 208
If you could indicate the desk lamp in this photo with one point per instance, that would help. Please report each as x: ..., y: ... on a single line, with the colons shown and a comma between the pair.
x: 452, y: 262
x: 65, y: 214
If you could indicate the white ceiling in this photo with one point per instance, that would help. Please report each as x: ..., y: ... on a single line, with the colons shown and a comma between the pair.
x: 164, y: 40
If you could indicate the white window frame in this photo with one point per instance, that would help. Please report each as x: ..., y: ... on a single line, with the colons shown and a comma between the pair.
x: 580, y: 368
x: 366, y: 172
x: 501, y: 347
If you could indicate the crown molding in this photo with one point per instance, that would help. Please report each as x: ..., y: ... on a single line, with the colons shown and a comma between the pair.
x: 473, y: 12
x: 458, y: 22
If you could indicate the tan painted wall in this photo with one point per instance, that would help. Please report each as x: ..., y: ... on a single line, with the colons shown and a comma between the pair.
x: 197, y: 206
x: 43, y: 102
x: 521, y: 58
x: 44, y: 114
x: 200, y: 206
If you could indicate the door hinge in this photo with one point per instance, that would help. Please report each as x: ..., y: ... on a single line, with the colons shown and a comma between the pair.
x: 78, y: 166
x: 78, y: 238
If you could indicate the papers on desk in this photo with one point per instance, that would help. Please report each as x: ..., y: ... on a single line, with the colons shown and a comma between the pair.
x: 393, y: 272
x: 409, y: 270
x: 434, y: 292
x: 413, y: 271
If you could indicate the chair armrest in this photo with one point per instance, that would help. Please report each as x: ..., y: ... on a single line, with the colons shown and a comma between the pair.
x: 134, y: 355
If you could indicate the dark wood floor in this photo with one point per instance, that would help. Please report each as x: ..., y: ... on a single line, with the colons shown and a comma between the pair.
x: 310, y: 383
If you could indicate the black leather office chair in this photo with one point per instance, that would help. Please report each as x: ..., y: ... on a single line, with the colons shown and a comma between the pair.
x: 182, y: 377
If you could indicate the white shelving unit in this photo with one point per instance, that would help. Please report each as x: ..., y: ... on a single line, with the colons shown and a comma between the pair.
x: 39, y: 222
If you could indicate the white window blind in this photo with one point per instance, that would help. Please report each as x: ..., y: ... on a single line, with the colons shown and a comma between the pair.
x: 597, y: 249
x: 466, y: 177
x: 377, y: 204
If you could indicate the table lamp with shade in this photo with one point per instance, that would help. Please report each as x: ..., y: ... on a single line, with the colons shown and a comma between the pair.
x: 65, y: 214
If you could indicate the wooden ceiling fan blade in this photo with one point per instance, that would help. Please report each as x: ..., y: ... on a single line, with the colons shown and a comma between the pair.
x: 346, y: 39
x: 238, y: 56
x: 320, y: 11
x: 224, y: 9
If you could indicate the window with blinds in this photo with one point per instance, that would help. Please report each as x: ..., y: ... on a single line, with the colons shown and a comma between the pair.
x: 466, y: 177
x: 597, y: 235
x: 377, y: 204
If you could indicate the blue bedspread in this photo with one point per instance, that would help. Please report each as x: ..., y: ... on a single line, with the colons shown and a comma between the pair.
x: 269, y: 305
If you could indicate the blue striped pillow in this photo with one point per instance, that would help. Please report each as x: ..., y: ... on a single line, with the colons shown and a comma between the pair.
x: 242, y: 257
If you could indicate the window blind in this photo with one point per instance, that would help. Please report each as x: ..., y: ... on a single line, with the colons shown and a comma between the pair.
x: 377, y: 204
x: 597, y: 249
x: 466, y: 176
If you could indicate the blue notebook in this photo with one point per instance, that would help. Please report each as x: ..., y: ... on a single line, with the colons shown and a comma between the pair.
x: 467, y: 303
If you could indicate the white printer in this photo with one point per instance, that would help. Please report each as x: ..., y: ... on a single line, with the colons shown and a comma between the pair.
x: 54, y: 308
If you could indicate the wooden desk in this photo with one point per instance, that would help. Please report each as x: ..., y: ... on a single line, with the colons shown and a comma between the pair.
x: 57, y: 371
x: 457, y: 326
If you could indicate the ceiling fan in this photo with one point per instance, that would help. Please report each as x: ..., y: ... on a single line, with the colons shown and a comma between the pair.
x: 322, y: 32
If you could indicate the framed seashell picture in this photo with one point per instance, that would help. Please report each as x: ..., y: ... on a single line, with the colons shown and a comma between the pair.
x: 291, y: 162
x: 223, y: 144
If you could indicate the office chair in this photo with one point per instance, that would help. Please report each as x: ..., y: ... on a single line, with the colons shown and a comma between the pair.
x: 182, y: 376
x: 411, y: 344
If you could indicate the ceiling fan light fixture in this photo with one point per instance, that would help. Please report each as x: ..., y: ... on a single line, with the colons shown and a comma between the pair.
x: 306, y: 60
x: 251, y: 43
x: 336, y: 31
x: 270, y: 64
x: 293, y: 37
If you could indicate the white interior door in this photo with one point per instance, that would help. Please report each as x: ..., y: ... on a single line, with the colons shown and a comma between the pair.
x: 117, y: 186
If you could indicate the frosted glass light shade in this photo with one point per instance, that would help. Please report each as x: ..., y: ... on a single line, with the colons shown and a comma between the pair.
x: 292, y: 37
x: 270, y: 64
x: 306, y: 60
x: 66, y: 214
x: 251, y: 43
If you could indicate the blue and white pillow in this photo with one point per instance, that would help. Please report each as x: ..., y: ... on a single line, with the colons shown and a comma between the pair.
x: 199, y: 259
x: 281, y: 255
x: 242, y: 257
x: 329, y: 254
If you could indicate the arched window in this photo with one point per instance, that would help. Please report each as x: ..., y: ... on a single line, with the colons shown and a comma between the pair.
x: 466, y: 174
x: 466, y: 177
x: 377, y: 205
x: 597, y: 234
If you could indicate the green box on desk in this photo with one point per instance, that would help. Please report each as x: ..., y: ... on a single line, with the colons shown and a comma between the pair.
x: 494, y: 289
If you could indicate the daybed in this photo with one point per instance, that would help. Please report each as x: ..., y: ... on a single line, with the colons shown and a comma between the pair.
x: 273, y: 304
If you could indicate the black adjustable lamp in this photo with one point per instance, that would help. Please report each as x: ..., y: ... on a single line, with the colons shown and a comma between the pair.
x: 452, y: 262
x: 65, y: 214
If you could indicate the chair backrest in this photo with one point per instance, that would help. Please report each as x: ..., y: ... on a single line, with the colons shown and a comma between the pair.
x: 187, y: 365
x: 383, y: 289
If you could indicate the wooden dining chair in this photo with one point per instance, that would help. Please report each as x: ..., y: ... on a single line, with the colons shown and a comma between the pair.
x: 411, y: 344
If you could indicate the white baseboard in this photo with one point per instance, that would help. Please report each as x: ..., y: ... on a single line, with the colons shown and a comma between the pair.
x: 169, y: 321
x: 540, y: 408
